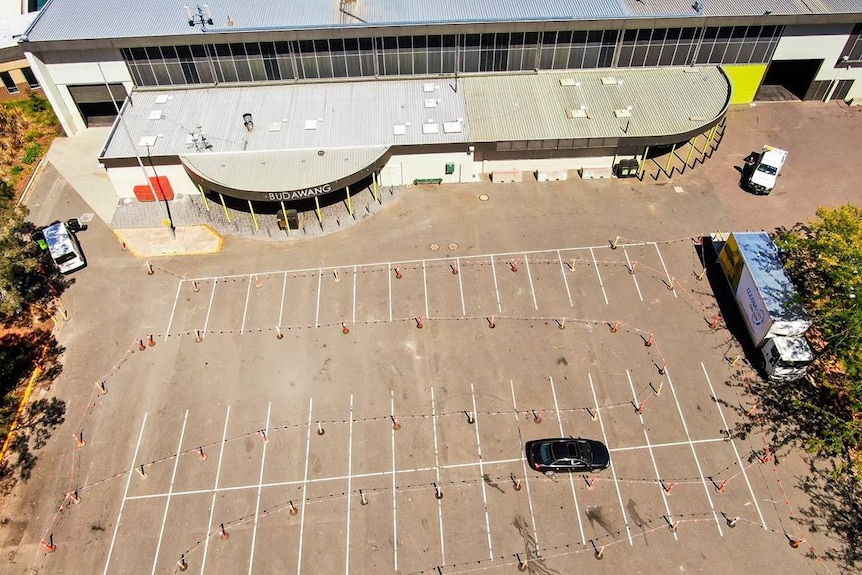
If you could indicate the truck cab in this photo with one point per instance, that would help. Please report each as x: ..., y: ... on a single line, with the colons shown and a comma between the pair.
x: 763, y: 171
x: 786, y: 359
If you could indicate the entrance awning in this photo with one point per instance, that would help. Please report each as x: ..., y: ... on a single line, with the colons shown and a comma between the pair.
x: 283, y: 175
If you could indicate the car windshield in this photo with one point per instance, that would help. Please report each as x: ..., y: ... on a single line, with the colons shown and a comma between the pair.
x: 576, y: 450
x: 767, y: 169
x: 65, y: 258
x: 545, y: 450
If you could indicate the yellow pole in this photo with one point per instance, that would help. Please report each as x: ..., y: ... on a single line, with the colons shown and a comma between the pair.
x: 349, y: 202
x: 669, y: 158
x: 284, y: 214
x: 204, y: 197
x: 643, y: 162
x: 253, y: 215
x: 711, y: 135
x: 224, y: 207
x: 317, y: 209
x: 690, y: 150
x: 374, y: 187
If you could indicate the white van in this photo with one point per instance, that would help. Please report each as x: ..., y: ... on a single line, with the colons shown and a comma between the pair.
x: 64, y: 247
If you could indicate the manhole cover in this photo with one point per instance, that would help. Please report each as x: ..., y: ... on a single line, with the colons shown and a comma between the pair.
x: 484, y: 197
x: 453, y: 246
x: 86, y: 218
x: 434, y: 247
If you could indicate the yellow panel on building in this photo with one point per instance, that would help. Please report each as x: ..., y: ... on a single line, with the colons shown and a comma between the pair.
x: 745, y: 79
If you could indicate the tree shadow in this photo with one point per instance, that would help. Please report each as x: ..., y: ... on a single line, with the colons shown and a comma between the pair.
x: 19, y: 355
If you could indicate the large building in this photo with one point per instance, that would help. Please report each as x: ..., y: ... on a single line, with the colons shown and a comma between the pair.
x: 258, y: 104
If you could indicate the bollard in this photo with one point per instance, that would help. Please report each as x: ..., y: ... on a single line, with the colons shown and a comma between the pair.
x: 795, y: 543
x: 79, y: 439
x: 735, y: 360
x: 561, y: 323
x: 257, y: 282
x: 181, y: 564
x: 522, y: 565
x: 278, y: 334
x: 516, y: 483
x: 395, y: 425
x: 751, y: 410
x: 141, y: 345
x: 594, y: 415
x: 632, y: 269
x: 573, y: 264
x: 418, y: 323
x: 731, y: 522
x: 639, y: 409
x: 198, y: 337
x: 491, y: 323
x: 663, y: 368
x: 590, y: 481
x: 362, y: 499
x: 438, y: 493
x: 657, y: 390
x: 150, y: 270
x: 668, y: 487
x: 262, y: 433
x: 124, y: 247
x: 49, y: 544
x: 344, y: 329
x: 201, y: 455
x: 537, y: 416
x: 454, y: 269
x: 614, y: 243
x: 470, y: 419
x: 514, y: 265
x: 73, y: 497
x: 335, y: 273
x: 224, y: 534
x: 721, y: 486
x: 615, y: 327
x: 714, y: 322
x: 648, y: 341
x: 672, y: 527
x: 671, y: 282
x: 598, y: 552
x: 397, y: 273
x: 151, y: 341
x: 292, y: 510
x: 701, y: 275
x: 320, y: 430
x: 100, y: 385
x: 141, y: 471
x: 195, y: 287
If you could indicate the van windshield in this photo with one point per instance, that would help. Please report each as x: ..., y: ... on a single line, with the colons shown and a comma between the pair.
x: 65, y: 258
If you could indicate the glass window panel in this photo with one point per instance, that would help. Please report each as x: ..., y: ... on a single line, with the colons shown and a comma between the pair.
x: 308, y: 67
x: 243, y: 71
x: 579, y: 37
x: 718, y: 51
x: 681, y: 57
x: 724, y: 32
x: 154, y: 53
x: 486, y: 60
x: 534, y: 145
x: 516, y: 39
x: 625, y: 56
x: 658, y: 36
x: 420, y: 42
x: 591, y: 57
x: 752, y: 31
x: 672, y: 35
x: 324, y: 65
x: 190, y: 73
x: 435, y: 42
x: 435, y: 63
x: 336, y: 45
x: 653, y: 55
x: 420, y: 61
x: 368, y: 63
x: 561, y: 57
x: 321, y: 46
x: 528, y: 60
x: 594, y: 37
x: 639, y: 55
x: 549, y: 38
x: 564, y: 37
x: 610, y: 37
x: 271, y: 68
x: 768, y: 32
x: 252, y: 49
x: 531, y: 38
x: 339, y: 64
x: 351, y: 45
x: 710, y: 34
x: 513, y: 60
x: 606, y: 56
x: 546, y: 62
x: 731, y: 55
x: 759, y: 53
x: 739, y: 32
x: 405, y: 42
x: 267, y: 49
x: 138, y: 54
x: 305, y: 46
x: 667, y: 51
x: 146, y: 75
x: 449, y: 41
x: 237, y: 50
x: 703, y: 54
x: 745, y: 51
x: 487, y: 41
x: 163, y: 77
x: 405, y: 62
x: 365, y: 44
x: 449, y: 62
x: 470, y: 62
x: 576, y: 56
x: 354, y: 66
x: 644, y: 35
x: 630, y: 36
x: 222, y: 50
x: 687, y: 33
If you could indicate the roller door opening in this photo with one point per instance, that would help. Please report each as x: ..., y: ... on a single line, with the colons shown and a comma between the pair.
x: 95, y: 103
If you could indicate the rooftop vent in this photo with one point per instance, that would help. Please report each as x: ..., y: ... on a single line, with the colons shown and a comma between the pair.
x: 576, y: 113
x: 610, y: 81
x: 399, y: 129
x: 155, y: 115
x: 623, y: 113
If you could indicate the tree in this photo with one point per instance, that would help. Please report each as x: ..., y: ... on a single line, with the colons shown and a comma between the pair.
x: 19, y: 261
x: 824, y: 258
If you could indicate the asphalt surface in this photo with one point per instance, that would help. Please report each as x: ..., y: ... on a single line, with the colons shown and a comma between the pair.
x: 307, y: 421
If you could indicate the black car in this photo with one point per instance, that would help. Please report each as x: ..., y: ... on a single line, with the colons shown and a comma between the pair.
x: 567, y: 454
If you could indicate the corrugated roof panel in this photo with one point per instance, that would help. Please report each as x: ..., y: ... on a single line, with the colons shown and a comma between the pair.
x: 649, y: 8
x: 534, y: 107
x: 402, y: 12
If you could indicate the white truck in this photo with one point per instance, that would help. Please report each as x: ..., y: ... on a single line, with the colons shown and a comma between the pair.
x: 763, y: 170
x: 769, y: 304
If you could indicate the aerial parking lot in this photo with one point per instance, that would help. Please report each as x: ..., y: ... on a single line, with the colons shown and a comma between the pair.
x: 360, y: 403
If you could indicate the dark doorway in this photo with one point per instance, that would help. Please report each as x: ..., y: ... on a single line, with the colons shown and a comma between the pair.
x: 788, y: 79
x: 97, y: 104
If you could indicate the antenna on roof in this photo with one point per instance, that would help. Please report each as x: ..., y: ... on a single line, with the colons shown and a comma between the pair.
x: 698, y: 6
x: 201, y: 15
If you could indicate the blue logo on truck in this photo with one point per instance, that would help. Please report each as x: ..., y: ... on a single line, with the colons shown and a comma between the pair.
x: 757, y: 314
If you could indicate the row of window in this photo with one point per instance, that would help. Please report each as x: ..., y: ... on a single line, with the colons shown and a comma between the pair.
x: 434, y: 55
x: 12, y: 87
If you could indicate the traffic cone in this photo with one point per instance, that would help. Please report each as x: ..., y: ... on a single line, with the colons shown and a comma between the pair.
x: 151, y: 341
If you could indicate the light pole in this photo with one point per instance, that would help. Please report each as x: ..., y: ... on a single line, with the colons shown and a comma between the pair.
x: 158, y: 188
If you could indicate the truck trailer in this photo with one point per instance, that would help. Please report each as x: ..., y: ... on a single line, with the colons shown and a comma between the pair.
x: 768, y: 302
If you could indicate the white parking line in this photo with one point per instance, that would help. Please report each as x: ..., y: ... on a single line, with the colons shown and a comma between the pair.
x: 437, y: 469
x: 304, y: 489
x: 526, y: 476
x: 652, y: 456
x: 571, y: 479
x: 170, y: 491
x: 173, y: 310
x: 669, y: 277
x: 565, y: 279
x: 209, y: 308
x: 354, y: 294
x: 349, y: 488
x: 668, y: 444
x: 496, y: 287
x: 389, y: 275
x: 733, y: 445
x: 425, y: 285
x: 245, y: 309
x: 131, y: 472
x: 394, y: 490
x: 599, y: 275
x: 461, y: 286
x: 530, y: 277
x: 281, y: 307
x: 482, y: 473
x: 319, y: 285
x: 613, y: 472
x: 631, y: 272
x: 693, y: 452
x: 215, y: 490
x: 259, y: 490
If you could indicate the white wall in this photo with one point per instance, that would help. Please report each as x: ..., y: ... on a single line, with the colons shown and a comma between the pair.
x: 402, y: 170
x: 125, y: 179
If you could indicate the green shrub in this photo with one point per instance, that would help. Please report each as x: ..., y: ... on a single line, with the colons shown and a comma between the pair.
x: 16, y: 170
x: 32, y: 153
